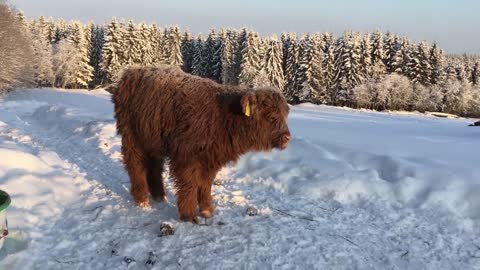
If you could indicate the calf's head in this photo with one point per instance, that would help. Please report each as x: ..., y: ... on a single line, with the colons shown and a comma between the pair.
x: 268, y: 110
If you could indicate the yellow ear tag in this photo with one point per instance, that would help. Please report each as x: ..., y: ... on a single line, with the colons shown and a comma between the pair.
x: 247, y: 109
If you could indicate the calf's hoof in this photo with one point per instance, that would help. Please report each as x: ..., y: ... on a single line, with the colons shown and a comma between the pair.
x: 144, y: 204
x: 192, y: 219
x: 206, y: 213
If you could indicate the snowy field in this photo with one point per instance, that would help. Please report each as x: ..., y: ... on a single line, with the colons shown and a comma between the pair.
x: 354, y: 190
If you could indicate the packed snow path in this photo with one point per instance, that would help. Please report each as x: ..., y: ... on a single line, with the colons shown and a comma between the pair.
x: 354, y: 190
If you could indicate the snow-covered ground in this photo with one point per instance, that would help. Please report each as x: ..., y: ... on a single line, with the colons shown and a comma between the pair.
x: 354, y: 190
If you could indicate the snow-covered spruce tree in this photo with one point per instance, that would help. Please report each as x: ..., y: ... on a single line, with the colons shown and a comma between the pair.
x: 304, y: 73
x: 460, y: 72
x: 229, y: 38
x: 273, y: 62
x: 188, y: 52
x: 328, y: 67
x: 377, y: 54
x: 173, y: 44
x: 437, y: 73
x: 365, y: 61
x: 84, y: 72
x: 285, y: 39
x: 112, y: 50
x: 61, y: 31
x: 50, y: 30
x: 310, y: 77
x: 96, y: 56
x: 213, y: 57
x: 155, y: 40
x: 450, y: 72
x: 348, y: 69
x: 198, y: 62
x: 145, y: 46
x: 132, y: 50
x: 390, y: 48
x: 292, y: 64
x: 402, y: 57
x: 419, y: 66
x: 88, y: 30
x: 475, y: 74
x: 235, y: 69
x: 250, y: 64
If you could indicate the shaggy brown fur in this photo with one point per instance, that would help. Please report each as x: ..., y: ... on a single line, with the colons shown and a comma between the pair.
x: 198, y: 125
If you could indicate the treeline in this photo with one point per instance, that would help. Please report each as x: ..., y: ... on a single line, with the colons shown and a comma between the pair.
x: 367, y: 70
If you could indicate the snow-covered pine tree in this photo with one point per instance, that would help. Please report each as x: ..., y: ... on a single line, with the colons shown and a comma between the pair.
x: 419, y: 65
x: 349, y: 71
x: 437, y: 73
x: 390, y: 48
x: 475, y: 74
x: 84, y: 72
x: 173, y: 54
x: 250, y: 59
x: 96, y: 55
x: 145, y: 46
x: 122, y: 43
x: 460, y: 72
x: 365, y: 61
x: 41, y: 27
x: 89, y: 32
x: 377, y: 54
x: 213, y: 57
x: 309, y: 77
x: 132, y: 50
x: 188, y: 52
x: 285, y: 40
x: 61, y: 31
x: 155, y: 40
x: 50, y: 30
x: 229, y: 38
x: 273, y: 62
x: 292, y: 64
x: 402, y: 57
x: 328, y: 67
x: 450, y: 72
x: 304, y: 73
x: 198, y: 62
x: 237, y: 56
x: 317, y: 80
x: 112, y: 50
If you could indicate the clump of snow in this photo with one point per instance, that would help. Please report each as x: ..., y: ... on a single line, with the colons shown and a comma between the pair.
x: 166, y: 229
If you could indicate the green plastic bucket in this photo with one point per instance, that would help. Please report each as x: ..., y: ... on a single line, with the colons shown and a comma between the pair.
x: 4, y: 203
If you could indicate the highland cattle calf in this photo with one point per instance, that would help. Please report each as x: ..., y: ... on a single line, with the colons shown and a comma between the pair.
x: 197, y: 125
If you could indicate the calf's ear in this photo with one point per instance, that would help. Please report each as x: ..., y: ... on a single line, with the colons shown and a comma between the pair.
x: 249, y: 104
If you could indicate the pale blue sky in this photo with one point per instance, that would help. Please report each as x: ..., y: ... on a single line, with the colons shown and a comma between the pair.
x: 454, y: 24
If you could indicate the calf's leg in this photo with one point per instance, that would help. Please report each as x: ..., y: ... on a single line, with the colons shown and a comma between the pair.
x: 134, y: 160
x: 155, y: 179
